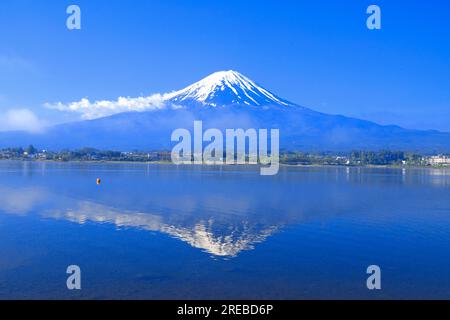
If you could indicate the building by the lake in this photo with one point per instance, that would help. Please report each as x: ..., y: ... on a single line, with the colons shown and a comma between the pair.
x: 440, y: 160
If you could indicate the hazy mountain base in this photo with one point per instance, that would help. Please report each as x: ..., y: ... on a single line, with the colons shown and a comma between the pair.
x: 300, y: 129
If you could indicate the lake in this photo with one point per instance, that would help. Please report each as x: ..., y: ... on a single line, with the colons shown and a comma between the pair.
x: 152, y: 231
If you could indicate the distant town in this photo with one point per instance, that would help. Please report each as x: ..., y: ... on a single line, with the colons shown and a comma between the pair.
x: 354, y: 158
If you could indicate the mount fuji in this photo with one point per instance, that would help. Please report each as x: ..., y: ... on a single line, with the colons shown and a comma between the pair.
x: 228, y: 99
x: 226, y: 88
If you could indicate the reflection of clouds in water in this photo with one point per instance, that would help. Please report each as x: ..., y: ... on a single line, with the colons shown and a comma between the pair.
x: 229, y: 241
x: 20, y: 201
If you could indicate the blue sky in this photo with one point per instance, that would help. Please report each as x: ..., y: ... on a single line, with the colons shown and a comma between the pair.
x: 316, y: 53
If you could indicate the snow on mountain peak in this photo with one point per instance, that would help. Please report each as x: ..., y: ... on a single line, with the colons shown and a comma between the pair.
x: 227, y: 88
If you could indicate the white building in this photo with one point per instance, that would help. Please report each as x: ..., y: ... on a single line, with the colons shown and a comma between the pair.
x: 438, y: 160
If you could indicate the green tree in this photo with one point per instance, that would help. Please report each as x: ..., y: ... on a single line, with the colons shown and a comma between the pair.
x: 31, y: 149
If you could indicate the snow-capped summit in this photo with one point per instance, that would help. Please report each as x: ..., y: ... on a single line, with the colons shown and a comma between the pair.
x: 227, y: 88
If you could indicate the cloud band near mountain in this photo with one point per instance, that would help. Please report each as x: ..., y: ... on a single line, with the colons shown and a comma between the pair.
x: 102, y: 108
x: 20, y: 120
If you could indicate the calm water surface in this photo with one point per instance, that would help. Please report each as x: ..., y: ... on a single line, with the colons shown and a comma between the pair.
x: 160, y: 231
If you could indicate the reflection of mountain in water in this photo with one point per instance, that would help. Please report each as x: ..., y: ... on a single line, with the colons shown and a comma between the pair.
x: 220, y: 236
x: 219, y: 240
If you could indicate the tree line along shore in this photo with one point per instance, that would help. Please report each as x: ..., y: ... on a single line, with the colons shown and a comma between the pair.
x: 353, y: 158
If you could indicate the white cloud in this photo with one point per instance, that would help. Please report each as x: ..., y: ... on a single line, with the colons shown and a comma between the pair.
x: 20, y: 120
x: 20, y: 201
x: 92, y: 110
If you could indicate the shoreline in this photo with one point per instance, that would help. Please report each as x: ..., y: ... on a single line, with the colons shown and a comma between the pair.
x: 224, y: 164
